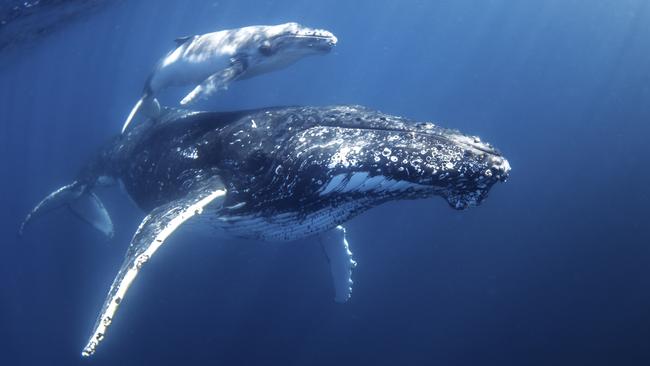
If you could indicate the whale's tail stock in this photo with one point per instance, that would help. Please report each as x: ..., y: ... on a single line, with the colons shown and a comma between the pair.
x: 78, y: 198
x: 148, y: 104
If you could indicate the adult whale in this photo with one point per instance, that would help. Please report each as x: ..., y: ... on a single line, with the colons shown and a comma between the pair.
x: 273, y: 174
x: 212, y: 61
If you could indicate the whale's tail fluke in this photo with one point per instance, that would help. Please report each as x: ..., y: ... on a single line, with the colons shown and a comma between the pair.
x: 148, y: 105
x: 80, y: 201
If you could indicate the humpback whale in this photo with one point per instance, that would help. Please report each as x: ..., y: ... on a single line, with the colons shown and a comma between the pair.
x: 273, y: 174
x: 212, y: 61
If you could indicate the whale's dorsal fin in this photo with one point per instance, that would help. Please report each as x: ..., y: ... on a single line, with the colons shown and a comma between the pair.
x: 181, y: 40
x: 151, y: 235
x: 338, y: 253
x: 217, y: 81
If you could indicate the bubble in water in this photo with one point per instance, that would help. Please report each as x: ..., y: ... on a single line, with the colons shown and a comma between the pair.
x: 386, y: 152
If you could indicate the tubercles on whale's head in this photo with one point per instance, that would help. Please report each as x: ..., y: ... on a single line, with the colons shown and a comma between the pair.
x: 466, y: 174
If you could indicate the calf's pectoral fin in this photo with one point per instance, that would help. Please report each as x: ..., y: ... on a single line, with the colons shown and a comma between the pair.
x: 150, y: 236
x: 215, y: 82
x: 338, y: 253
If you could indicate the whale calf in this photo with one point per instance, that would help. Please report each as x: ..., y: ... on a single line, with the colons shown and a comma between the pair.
x: 273, y: 174
x: 212, y: 61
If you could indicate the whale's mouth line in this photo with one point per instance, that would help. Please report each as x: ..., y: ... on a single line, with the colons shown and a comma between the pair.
x: 316, y: 38
x: 325, y: 38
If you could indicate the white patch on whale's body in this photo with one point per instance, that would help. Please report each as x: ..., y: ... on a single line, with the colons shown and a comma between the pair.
x: 355, y: 181
x: 333, y: 184
x: 362, y: 182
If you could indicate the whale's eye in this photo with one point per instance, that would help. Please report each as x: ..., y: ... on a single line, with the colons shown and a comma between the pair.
x: 266, y: 49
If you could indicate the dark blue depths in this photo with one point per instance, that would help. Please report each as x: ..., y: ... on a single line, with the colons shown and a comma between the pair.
x: 553, y: 268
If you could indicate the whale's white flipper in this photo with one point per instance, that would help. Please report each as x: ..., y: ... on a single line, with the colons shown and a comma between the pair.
x: 338, y: 252
x: 148, y: 104
x: 151, y: 235
x: 83, y: 203
x: 216, y: 82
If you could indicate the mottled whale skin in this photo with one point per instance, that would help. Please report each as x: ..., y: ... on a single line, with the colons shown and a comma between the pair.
x: 277, y: 174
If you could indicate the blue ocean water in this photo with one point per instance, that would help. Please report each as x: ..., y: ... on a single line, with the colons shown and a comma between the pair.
x: 553, y: 268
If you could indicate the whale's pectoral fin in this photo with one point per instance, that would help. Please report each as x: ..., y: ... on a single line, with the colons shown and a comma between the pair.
x: 83, y: 203
x: 151, y: 235
x: 216, y: 82
x: 338, y: 252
